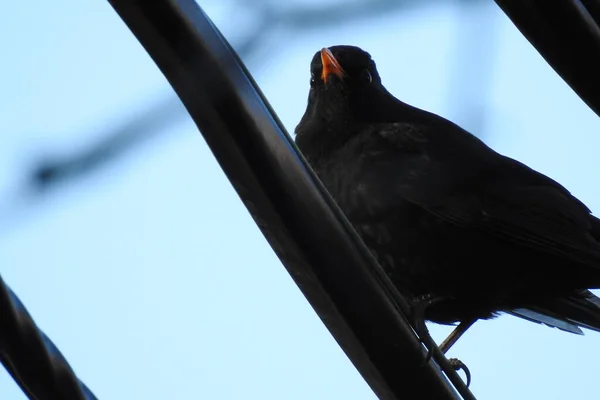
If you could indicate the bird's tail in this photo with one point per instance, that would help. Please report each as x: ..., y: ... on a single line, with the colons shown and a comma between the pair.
x: 568, y: 313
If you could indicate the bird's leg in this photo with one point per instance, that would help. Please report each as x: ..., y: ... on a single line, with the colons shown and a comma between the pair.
x: 419, y: 306
x: 456, y: 334
x: 453, y: 338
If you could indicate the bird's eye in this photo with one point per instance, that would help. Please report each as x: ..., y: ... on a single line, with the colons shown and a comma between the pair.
x: 366, y: 76
x: 313, y: 80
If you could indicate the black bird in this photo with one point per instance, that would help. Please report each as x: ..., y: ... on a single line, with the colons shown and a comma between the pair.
x: 467, y: 232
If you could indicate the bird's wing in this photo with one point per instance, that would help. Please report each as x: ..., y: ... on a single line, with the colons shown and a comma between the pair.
x: 456, y: 177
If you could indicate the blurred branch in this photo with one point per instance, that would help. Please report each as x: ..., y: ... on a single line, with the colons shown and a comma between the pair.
x: 331, y: 15
x: 115, y: 142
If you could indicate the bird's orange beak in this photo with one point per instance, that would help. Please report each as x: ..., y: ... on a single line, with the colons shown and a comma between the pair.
x: 330, y: 65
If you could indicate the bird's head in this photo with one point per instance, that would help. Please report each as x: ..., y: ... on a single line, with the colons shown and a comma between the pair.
x: 345, y: 90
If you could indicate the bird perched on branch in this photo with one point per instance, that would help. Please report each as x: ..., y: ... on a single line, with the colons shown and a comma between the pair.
x: 465, y: 231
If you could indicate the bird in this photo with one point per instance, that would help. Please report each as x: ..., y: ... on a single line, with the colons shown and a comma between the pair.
x: 465, y: 232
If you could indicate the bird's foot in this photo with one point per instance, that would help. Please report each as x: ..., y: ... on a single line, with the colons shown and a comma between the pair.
x: 458, y: 365
x: 419, y: 306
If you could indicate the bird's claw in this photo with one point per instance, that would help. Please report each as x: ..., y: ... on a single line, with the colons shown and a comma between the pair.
x: 458, y: 365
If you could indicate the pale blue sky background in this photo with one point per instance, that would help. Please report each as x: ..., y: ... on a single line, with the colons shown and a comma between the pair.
x: 151, y: 277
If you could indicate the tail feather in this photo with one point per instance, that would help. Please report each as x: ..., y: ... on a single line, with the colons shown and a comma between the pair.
x: 568, y: 314
x: 582, y: 310
x: 543, y: 317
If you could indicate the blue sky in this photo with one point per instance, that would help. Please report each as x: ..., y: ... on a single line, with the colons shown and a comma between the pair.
x: 150, y: 275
